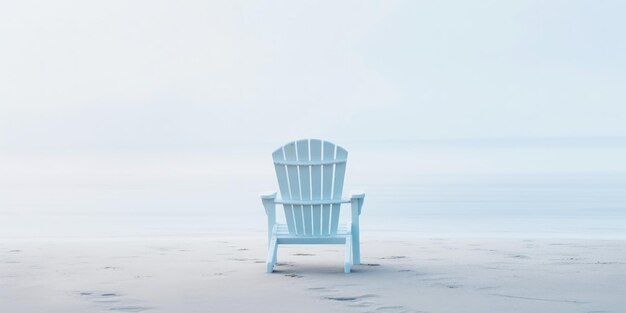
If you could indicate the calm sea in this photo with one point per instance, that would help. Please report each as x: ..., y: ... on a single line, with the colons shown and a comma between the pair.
x: 464, y: 188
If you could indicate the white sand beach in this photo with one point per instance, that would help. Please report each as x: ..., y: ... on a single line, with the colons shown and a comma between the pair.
x: 227, y: 274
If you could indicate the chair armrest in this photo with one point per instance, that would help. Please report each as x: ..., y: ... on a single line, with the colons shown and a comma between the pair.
x: 356, y: 198
x: 268, y: 195
x: 354, y: 194
x: 357, y: 194
x: 269, y: 203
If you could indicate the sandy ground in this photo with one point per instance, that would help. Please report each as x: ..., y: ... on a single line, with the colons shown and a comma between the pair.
x: 226, y: 274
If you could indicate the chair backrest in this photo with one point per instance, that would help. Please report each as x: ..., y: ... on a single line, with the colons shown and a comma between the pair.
x: 310, y: 176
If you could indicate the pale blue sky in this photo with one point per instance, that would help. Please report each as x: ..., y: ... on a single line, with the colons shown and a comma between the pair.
x: 198, y: 72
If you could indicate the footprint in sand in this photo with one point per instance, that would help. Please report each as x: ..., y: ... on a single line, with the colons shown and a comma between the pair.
x: 113, y: 301
x: 452, y: 285
x: 395, y: 309
x: 284, y: 264
x: 129, y: 309
x: 350, y: 298
x: 362, y: 304
x: 303, y: 254
x: 370, y: 264
x: 363, y: 301
x: 319, y: 289
x: 389, y: 308
x: 223, y: 273
x: 100, y: 297
x: 323, y: 290
x: 243, y: 259
x: 394, y: 257
x: 294, y: 275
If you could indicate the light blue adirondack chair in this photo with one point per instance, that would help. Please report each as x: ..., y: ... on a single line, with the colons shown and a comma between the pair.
x: 310, y: 177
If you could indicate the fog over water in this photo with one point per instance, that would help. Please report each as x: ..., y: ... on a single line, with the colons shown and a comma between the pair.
x: 511, y: 187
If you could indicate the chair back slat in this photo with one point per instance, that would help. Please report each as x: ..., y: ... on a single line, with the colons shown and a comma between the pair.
x: 294, y: 186
x: 340, y: 170
x: 328, y: 153
x: 302, y: 147
x: 283, y: 184
x: 316, y: 184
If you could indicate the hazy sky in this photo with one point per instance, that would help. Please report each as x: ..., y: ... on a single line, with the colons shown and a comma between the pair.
x: 198, y: 72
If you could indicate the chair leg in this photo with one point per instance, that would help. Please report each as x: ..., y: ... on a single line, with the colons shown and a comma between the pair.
x: 348, y: 256
x: 271, y: 255
x: 351, y: 254
x: 275, y: 259
x: 356, y: 246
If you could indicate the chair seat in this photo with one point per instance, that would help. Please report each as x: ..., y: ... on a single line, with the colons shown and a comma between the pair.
x: 283, y: 232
